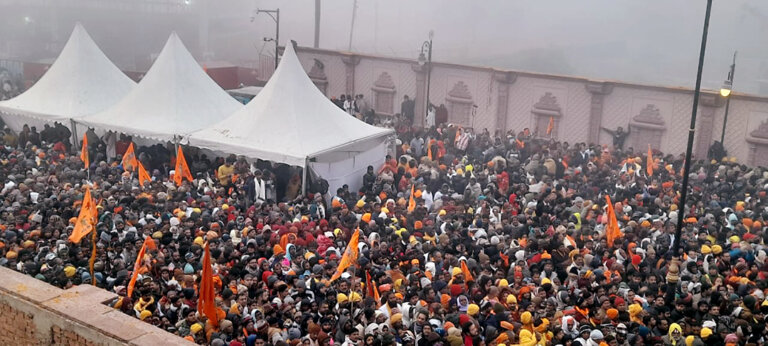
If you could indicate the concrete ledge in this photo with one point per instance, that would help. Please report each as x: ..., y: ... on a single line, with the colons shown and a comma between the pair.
x: 41, y: 314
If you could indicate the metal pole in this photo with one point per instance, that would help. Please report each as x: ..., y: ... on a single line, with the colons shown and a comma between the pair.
x: 352, y: 27
x: 277, y: 35
x: 691, y: 131
x: 304, y: 177
x: 429, y: 74
x: 276, y: 18
x: 672, y: 286
x: 317, y: 24
x: 728, y: 101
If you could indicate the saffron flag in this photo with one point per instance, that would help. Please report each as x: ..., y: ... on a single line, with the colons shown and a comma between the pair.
x: 551, y: 125
x: 349, y: 256
x: 649, y: 162
x: 368, y: 285
x: 182, y: 170
x: 206, y: 304
x: 86, y: 220
x: 84, y: 152
x: 465, y: 271
x: 411, y: 200
x: 129, y: 159
x: 143, y: 175
x: 612, y: 231
x: 371, y: 289
x: 149, y: 244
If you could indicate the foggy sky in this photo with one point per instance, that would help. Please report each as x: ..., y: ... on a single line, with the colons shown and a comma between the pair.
x: 647, y: 41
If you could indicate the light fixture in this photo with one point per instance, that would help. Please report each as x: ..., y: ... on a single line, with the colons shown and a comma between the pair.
x: 422, y: 59
x: 725, y: 91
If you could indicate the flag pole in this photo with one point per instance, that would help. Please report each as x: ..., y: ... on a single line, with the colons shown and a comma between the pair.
x: 93, y: 256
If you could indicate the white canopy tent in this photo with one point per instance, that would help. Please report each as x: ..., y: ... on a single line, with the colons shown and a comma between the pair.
x: 174, y: 98
x: 290, y: 121
x: 81, y: 81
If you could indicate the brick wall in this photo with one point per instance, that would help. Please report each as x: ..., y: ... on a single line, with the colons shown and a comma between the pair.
x: 16, y: 327
x: 35, y: 313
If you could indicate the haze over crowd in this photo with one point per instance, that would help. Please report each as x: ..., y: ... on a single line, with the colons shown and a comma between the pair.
x: 652, y: 42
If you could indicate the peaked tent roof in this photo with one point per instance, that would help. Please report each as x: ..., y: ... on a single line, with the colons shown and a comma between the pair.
x: 175, y: 97
x: 81, y: 81
x: 289, y: 121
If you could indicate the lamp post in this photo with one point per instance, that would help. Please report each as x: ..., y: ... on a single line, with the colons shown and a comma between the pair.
x: 275, y: 15
x: 725, y: 91
x: 426, y: 49
x: 672, y: 280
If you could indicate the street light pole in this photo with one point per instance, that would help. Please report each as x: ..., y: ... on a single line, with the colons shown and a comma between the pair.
x: 726, y: 92
x: 427, y: 46
x: 275, y: 15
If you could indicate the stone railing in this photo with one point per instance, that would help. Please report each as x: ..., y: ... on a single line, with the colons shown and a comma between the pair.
x: 33, y: 312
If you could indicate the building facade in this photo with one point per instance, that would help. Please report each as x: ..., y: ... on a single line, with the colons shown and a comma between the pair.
x: 503, y: 100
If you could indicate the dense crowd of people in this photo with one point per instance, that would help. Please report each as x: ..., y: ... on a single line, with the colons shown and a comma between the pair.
x: 462, y: 239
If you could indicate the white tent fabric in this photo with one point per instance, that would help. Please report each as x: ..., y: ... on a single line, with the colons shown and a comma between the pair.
x: 81, y: 81
x: 174, y: 98
x: 290, y: 121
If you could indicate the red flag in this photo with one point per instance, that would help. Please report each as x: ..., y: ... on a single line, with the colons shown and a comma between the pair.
x: 551, y: 125
x: 86, y: 220
x: 149, y: 244
x: 143, y: 175
x: 182, y: 170
x: 349, y: 257
x: 84, y: 152
x: 411, y: 200
x: 206, y: 304
x: 129, y: 159
x: 612, y: 231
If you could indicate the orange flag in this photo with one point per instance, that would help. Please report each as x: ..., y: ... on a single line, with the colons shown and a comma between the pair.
x: 551, y: 125
x: 143, y: 175
x: 349, y: 257
x: 372, y: 290
x: 129, y: 159
x: 182, y: 170
x: 429, y: 151
x: 149, y: 244
x: 411, y: 201
x: 206, y: 304
x: 465, y: 271
x: 649, y: 161
x: 84, y: 152
x: 612, y: 231
x: 376, y: 296
x: 86, y: 220
x: 368, y: 285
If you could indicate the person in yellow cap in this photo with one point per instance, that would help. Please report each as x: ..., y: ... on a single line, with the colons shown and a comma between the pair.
x: 69, y: 271
x: 473, y: 310
x: 146, y: 314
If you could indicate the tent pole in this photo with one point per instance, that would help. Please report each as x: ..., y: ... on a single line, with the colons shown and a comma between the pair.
x: 76, y: 144
x: 304, y: 177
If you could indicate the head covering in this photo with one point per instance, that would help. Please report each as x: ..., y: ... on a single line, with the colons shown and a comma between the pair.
x: 473, y: 309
